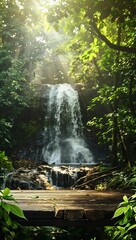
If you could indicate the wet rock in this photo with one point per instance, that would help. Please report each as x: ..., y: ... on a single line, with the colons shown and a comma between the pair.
x: 45, y: 182
x: 45, y: 177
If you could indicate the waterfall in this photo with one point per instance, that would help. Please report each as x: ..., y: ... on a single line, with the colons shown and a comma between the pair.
x: 63, y: 128
x: 61, y: 144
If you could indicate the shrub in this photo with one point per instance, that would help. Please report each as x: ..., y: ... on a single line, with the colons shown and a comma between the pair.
x: 125, y: 227
x: 5, y: 164
x: 8, y: 226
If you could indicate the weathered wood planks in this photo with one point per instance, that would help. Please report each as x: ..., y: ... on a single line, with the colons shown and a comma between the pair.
x: 68, y: 207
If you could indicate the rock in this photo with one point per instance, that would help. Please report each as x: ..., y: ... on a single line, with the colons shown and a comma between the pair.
x: 46, y: 177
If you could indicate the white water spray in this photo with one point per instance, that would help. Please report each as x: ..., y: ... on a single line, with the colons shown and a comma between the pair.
x: 66, y: 143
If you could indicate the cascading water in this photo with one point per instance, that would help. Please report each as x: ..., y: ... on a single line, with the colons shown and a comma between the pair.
x: 61, y: 143
x: 66, y: 144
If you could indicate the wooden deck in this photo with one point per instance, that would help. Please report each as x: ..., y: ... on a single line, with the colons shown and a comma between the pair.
x: 63, y: 208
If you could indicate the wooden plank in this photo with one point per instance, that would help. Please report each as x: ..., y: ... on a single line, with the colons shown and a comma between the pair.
x: 60, y: 207
x: 67, y: 193
x: 73, y: 213
x: 62, y: 223
x: 69, y: 212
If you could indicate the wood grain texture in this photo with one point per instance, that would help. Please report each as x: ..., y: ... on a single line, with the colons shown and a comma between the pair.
x: 62, y: 207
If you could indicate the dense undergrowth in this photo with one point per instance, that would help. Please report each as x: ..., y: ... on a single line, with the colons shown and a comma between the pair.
x: 107, y: 178
x: 123, y: 179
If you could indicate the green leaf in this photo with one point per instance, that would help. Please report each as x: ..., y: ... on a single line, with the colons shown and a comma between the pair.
x: 35, y: 197
x: 134, y: 209
x: 133, y: 226
x: 129, y: 212
x: 6, y: 192
x: 17, y: 211
x: 133, y: 196
x: 15, y: 224
x: 122, y: 229
x: 7, y: 218
x: 5, y: 229
x: 12, y: 233
x: 126, y: 209
x: 9, y: 198
x: 119, y: 212
x: 6, y: 207
x: 125, y: 198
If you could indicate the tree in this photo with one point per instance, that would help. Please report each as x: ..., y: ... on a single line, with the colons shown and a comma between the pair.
x: 103, y: 45
x: 20, y: 48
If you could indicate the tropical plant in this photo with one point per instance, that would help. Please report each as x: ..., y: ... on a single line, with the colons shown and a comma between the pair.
x: 8, y: 225
x: 5, y: 163
x: 125, y: 226
x: 5, y: 166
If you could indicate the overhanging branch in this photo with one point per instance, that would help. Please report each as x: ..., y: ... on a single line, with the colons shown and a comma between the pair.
x: 111, y: 45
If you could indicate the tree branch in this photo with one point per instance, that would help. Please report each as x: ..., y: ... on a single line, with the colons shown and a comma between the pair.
x: 111, y: 45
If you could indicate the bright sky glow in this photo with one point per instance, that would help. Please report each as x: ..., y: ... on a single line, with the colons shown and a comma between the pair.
x: 41, y: 5
x: 44, y: 5
x: 53, y: 1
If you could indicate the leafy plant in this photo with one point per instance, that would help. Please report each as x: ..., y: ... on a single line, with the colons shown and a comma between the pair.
x: 7, y: 211
x: 50, y: 233
x: 125, y: 227
x: 5, y: 165
x: 4, y: 162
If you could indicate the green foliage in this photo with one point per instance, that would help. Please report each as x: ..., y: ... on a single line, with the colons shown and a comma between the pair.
x: 124, y: 179
x: 102, y: 43
x: 8, y: 226
x: 38, y: 233
x: 101, y: 40
x: 50, y: 233
x: 5, y: 164
x: 125, y: 227
x: 22, y: 44
x: 126, y: 120
x: 131, y: 181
